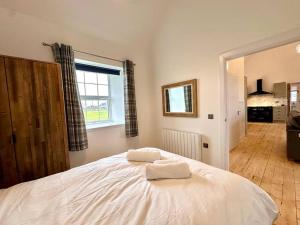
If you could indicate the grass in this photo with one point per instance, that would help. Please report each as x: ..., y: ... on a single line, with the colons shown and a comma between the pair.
x: 91, y: 116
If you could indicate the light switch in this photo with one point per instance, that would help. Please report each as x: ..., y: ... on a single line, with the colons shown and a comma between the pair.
x: 210, y: 116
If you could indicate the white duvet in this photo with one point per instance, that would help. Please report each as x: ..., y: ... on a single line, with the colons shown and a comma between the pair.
x: 114, y: 191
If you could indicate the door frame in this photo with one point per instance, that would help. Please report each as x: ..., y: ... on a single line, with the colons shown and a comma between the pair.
x: 261, y: 45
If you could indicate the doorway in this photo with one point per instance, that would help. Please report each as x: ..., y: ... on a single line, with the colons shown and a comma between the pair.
x: 261, y: 155
x: 268, y: 43
x: 262, y: 87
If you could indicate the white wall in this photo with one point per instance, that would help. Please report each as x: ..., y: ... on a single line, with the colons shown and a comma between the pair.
x: 280, y: 64
x: 193, y: 35
x: 236, y: 67
x: 22, y: 35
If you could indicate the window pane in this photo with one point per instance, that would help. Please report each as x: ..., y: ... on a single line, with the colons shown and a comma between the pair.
x: 102, y: 78
x: 92, y: 105
x: 83, y: 105
x: 104, y: 110
x: 294, y: 96
x: 92, y: 113
x: 91, y: 90
x: 80, y: 76
x: 90, y: 77
x: 103, y: 90
x: 81, y: 89
x: 96, y: 110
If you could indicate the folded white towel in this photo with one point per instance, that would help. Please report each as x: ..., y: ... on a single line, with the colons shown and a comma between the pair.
x: 166, y: 161
x: 143, y: 155
x: 174, y: 170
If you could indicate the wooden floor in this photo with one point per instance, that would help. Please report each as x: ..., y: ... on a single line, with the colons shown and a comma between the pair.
x: 261, y: 157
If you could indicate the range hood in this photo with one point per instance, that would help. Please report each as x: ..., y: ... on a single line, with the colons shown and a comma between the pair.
x: 259, y: 89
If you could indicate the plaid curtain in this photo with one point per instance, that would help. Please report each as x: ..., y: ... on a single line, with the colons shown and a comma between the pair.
x: 75, y: 120
x: 188, y: 98
x: 131, y: 124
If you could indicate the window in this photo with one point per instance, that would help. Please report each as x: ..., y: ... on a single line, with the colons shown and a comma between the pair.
x: 101, y: 93
x: 94, y: 95
x: 294, y: 94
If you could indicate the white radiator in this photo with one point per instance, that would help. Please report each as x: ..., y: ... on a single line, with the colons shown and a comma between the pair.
x: 185, y: 143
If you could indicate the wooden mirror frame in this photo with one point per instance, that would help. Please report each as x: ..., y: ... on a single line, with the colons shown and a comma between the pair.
x: 194, y: 113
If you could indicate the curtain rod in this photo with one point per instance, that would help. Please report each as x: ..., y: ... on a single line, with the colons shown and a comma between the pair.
x: 87, y: 53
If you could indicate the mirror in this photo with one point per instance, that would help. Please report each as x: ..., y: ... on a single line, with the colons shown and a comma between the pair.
x: 180, y: 99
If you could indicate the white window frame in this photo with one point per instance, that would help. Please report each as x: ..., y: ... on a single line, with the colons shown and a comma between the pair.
x: 97, y: 98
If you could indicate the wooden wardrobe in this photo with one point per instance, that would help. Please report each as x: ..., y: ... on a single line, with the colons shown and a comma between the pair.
x: 33, y: 136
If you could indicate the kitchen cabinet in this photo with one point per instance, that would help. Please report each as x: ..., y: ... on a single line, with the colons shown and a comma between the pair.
x: 279, y: 113
x: 280, y: 90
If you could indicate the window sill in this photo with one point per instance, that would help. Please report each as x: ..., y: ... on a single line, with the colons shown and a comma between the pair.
x: 104, y: 124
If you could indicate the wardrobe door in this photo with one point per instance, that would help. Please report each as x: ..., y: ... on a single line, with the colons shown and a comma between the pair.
x: 8, y: 169
x: 50, y: 103
x: 37, y: 117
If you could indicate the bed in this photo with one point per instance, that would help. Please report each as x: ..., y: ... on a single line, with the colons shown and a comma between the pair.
x: 114, y: 191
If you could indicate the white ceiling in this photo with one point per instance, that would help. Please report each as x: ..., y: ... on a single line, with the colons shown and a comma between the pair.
x: 124, y: 21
